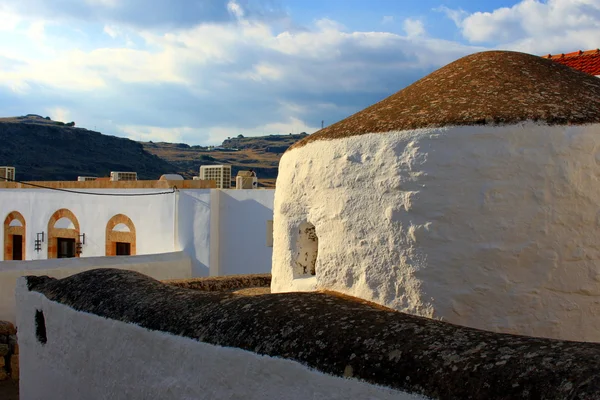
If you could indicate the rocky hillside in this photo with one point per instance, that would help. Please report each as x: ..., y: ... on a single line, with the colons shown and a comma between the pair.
x: 260, y: 153
x: 42, y: 149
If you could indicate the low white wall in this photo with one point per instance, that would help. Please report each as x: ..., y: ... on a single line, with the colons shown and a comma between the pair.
x: 158, y: 266
x: 89, y: 357
x: 243, y: 231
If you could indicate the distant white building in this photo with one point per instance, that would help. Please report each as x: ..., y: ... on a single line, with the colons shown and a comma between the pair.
x: 123, y: 176
x: 246, y: 180
x: 7, y: 173
x: 221, y: 174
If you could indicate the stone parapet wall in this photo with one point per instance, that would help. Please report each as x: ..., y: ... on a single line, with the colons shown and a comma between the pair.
x: 9, y: 352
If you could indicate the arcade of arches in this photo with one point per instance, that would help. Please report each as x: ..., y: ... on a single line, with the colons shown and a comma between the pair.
x: 63, y: 236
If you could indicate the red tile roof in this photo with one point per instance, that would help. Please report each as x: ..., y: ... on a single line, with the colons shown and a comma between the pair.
x: 585, y: 61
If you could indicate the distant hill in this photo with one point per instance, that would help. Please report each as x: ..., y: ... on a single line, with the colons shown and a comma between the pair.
x: 42, y: 149
x: 261, y: 153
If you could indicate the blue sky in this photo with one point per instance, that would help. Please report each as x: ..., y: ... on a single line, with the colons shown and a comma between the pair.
x: 198, y: 71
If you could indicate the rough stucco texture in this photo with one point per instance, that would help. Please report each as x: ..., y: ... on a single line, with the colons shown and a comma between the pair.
x: 91, y: 357
x: 495, y: 228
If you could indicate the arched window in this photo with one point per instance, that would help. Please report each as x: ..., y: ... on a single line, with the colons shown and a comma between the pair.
x: 120, y: 236
x: 63, y: 234
x: 307, y: 246
x: 14, y: 236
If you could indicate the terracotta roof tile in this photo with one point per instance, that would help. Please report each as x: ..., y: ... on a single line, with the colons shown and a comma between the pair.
x: 493, y: 87
x: 584, y: 61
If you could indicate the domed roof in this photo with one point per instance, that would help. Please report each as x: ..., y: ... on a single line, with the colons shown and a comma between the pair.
x: 492, y: 87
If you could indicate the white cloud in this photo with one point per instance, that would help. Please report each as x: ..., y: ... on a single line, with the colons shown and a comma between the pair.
x: 414, y: 27
x: 111, y: 31
x: 210, y: 81
x: 457, y: 16
x: 20, y: 88
x: 292, y: 125
x: 235, y: 9
x: 534, y: 26
x: 36, y: 31
x: 157, y: 134
x: 81, y: 71
x: 9, y: 20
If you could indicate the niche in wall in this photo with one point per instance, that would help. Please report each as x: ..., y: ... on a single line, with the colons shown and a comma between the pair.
x: 307, y: 245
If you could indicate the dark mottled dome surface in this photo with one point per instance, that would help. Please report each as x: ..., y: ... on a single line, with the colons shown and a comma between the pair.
x: 492, y: 87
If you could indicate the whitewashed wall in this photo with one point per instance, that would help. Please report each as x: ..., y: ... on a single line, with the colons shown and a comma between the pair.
x: 492, y: 227
x: 243, y: 231
x: 158, y: 266
x: 153, y: 217
x: 223, y: 231
x: 89, y: 357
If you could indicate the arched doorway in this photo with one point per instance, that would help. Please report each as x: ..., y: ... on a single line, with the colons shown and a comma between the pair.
x: 14, y: 236
x: 63, y: 234
x: 307, y: 246
x: 120, y: 236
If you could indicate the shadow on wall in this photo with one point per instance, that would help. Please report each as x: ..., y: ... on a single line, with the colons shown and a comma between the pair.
x: 243, y: 233
x: 193, y: 231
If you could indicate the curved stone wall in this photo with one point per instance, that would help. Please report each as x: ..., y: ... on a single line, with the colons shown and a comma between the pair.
x: 492, y: 227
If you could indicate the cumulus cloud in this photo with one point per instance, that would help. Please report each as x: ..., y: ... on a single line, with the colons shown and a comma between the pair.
x: 206, y: 81
x: 414, y: 27
x: 534, y: 26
